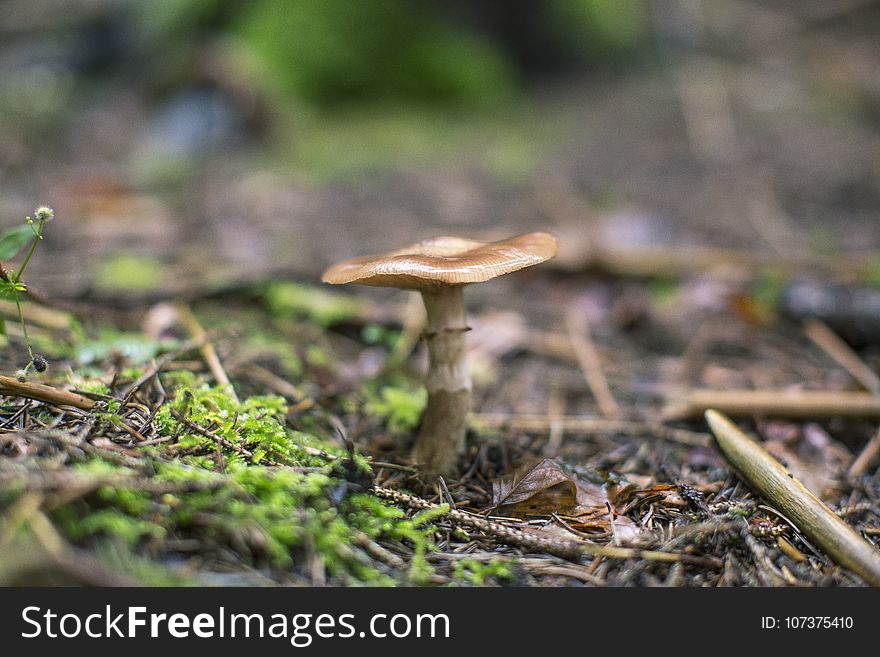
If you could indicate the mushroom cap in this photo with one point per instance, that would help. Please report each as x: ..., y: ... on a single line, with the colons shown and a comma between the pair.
x: 440, y: 261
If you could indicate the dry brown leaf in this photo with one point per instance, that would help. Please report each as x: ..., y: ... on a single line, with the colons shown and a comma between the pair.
x: 544, y: 489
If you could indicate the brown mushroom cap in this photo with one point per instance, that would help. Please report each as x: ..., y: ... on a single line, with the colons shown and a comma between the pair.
x: 439, y: 261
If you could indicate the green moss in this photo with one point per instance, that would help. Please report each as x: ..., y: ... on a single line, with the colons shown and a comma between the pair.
x: 110, y: 522
x: 271, y: 517
x: 93, y: 386
x: 130, y: 272
x: 378, y: 334
x: 255, y: 424
x: 141, y: 569
x: 305, y: 302
x: 400, y: 407
x: 478, y: 573
x: 378, y: 519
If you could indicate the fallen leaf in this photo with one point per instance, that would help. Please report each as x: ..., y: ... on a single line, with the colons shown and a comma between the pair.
x: 544, y: 489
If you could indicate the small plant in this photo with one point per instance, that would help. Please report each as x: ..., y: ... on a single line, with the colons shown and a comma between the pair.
x: 476, y: 573
x: 400, y: 407
x: 11, y: 285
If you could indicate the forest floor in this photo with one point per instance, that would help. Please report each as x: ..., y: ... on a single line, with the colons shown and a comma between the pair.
x: 298, y: 471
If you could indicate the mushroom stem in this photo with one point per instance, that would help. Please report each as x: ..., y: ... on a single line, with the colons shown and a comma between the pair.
x: 441, y: 440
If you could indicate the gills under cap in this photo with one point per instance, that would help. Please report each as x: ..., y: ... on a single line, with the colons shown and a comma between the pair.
x: 440, y: 261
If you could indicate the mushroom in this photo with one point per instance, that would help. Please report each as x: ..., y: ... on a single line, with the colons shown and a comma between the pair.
x: 439, y: 268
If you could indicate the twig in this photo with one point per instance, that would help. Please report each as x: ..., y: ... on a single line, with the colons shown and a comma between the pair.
x: 131, y: 431
x: 379, y: 552
x: 767, y: 477
x: 553, y: 570
x: 842, y: 354
x: 767, y: 572
x: 210, y: 434
x: 780, y: 403
x: 191, y: 323
x: 867, y: 457
x: 588, y: 358
x: 572, y: 549
x: 446, y: 493
x: 44, y: 393
x: 383, y: 465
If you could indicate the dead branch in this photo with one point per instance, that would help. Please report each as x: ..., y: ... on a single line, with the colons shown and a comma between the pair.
x: 44, y: 393
x: 802, y: 404
x: 842, y: 354
x: 572, y: 549
x: 767, y: 477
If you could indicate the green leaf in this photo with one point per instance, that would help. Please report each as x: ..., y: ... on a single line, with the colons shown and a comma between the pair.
x: 14, y: 240
x: 12, y: 291
x: 2, y: 327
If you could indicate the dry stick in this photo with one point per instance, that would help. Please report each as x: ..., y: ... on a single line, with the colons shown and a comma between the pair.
x: 842, y: 354
x: 44, y: 393
x: 572, y: 549
x: 540, y: 565
x: 577, y: 424
x: 191, y: 323
x: 591, y: 366
x: 767, y: 477
x: 781, y: 403
x: 50, y: 395
x: 867, y: 457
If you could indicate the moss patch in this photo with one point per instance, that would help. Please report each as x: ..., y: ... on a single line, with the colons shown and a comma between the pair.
x: 130, y: 272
